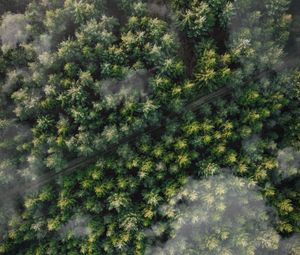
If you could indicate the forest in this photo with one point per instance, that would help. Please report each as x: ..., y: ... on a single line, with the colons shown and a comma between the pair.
x: 150, y: 127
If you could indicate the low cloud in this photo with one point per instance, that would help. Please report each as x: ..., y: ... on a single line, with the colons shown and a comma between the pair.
x: 13, y: 30
x: 43, y: 44
x: 77, y: 226
x: 135, y: 81
x: 134, y: 84
x: 12, y: 79
x: 221, y: 215
x: 288, y: 163
x: 158, y: 8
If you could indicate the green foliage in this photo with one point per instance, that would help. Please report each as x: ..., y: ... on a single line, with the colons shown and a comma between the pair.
x: 115, y: 87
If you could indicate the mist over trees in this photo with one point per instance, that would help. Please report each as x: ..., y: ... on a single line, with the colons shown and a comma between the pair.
x: 149, y: 127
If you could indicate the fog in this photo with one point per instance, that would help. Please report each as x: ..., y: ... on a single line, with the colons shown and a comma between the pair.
x: 13, y: 30
x: 220, y: 215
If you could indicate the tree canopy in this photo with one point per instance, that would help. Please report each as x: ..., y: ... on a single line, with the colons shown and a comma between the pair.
x: 149, y: 127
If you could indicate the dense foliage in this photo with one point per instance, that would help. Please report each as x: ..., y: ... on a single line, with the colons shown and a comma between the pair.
x: 131, y: 90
